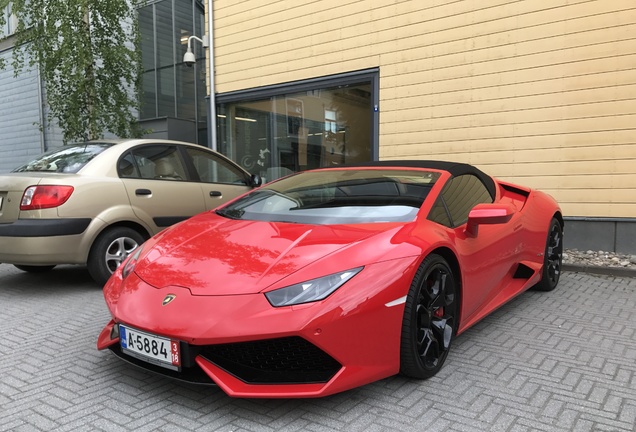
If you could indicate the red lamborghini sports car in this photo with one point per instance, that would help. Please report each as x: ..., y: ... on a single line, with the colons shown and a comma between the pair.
x: 333, y: 278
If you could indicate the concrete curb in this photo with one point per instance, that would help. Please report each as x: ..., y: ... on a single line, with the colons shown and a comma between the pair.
x: 608, y: 271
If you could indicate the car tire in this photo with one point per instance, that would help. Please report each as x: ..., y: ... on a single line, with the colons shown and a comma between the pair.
x: 34, y: 269
x: 430, y: 319
x: 109, y: 250
x: 552, y: 258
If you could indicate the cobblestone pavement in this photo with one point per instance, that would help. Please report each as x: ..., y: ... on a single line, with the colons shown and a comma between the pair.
x: 559, y: 361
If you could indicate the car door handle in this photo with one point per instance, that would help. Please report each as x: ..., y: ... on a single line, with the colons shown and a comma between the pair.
x: 216, y: 193
x: 142, y: 192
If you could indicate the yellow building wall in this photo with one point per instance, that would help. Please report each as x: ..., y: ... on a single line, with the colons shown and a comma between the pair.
x: 542, y: 93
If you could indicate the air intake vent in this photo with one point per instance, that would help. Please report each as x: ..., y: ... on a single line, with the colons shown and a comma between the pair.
x: 290, y: 360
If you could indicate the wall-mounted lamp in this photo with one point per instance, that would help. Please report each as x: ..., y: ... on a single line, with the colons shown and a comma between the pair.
x: 188, y: 58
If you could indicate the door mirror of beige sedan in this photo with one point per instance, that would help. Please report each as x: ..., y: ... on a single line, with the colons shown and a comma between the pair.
x: 256, y: 180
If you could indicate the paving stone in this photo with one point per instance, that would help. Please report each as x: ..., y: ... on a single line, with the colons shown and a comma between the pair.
x: 554, y: 362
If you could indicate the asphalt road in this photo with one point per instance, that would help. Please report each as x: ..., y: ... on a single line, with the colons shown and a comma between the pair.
x: 559, y: 361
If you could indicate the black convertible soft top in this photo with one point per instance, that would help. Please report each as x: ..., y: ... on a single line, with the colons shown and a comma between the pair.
x: 454, y: 168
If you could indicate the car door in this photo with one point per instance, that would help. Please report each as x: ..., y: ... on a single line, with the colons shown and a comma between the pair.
x: 158, y: 185
x: 220, y: 180
x: 487, y: 257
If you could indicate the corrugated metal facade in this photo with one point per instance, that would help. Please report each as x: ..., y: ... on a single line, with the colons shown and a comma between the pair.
x: 21, y: 114
x: 537, y: 92
x: 19, y: 110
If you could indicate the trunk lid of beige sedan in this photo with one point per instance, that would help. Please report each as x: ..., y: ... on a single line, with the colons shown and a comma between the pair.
x: 12, y: 187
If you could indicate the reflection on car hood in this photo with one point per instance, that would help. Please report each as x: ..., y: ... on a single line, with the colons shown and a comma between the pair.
x: 212, y: 255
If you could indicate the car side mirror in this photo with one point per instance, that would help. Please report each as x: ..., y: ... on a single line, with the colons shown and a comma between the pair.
x: 488, y: 214
x: 256, y: 180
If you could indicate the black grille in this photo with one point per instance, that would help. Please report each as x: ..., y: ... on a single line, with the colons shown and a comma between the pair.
x: 289, y: 360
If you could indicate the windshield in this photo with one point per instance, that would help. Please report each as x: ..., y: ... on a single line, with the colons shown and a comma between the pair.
x: 68, y: 159
x: 337, y: 197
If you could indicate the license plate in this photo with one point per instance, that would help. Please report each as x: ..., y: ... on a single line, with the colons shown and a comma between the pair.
x: 153, y: 349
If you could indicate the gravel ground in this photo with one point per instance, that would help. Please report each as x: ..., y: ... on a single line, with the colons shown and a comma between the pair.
x: 599, y: 259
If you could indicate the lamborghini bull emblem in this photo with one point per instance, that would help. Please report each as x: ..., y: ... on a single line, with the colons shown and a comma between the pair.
x: 167, y: 299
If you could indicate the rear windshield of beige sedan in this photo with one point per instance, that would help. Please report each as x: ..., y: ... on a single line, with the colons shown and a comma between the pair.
x: 68, y: 159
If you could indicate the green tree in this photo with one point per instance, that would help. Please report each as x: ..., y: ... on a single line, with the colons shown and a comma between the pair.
x: 88, y: 55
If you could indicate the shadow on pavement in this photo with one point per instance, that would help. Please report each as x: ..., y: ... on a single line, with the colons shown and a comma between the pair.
x: 60, y: 279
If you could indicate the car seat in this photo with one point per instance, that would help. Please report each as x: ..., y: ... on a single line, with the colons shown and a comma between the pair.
x: 165, y: 170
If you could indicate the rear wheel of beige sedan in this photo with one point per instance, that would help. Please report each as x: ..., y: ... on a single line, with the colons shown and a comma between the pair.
x: 109, y: 250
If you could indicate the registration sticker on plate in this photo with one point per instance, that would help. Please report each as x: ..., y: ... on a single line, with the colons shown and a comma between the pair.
x: 153, y: 349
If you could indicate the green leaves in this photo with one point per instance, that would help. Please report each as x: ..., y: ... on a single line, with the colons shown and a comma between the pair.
x: 87, y: 52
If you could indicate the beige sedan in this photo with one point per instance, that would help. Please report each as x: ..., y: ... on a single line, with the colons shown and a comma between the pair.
x: 95, y: 202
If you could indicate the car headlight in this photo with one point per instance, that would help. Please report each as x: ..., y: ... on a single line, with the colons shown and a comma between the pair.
x: 310, y: 291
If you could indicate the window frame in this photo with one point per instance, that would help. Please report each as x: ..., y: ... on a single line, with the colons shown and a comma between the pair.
x: 371, y: 76
x: 191, y: 173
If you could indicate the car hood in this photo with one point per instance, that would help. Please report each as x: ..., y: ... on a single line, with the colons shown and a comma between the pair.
x: 212, y: 255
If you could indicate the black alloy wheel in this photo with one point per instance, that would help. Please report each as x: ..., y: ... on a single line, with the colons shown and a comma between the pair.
x: 430, y: 319
x: 552, y: 259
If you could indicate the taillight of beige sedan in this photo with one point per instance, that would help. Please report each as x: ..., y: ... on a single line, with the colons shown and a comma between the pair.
x: 93, y: 203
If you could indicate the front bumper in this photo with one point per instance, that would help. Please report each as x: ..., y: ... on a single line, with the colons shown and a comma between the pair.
x: 251, y: 349
x: 255, y: 378
x: 260, y: 364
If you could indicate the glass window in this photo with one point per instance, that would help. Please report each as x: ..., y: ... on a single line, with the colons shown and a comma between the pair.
x: 439, y: 213
x: 184, y: 26
x: 148, y: 95
x: 214, y: 170
x: 159, y: 162
x: 330, y: 121
x: 186, y: 100
x: 165, y: 92
x: 126, y: 167
x: 147, y: 42
x: 164, y: 34
x: 337, y: 197
x: 10, y: 20
x: 68, y: 159
x: 171, y: 89
x: 459, y: 196
x: 4, y: 31
x: 322, y: 127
